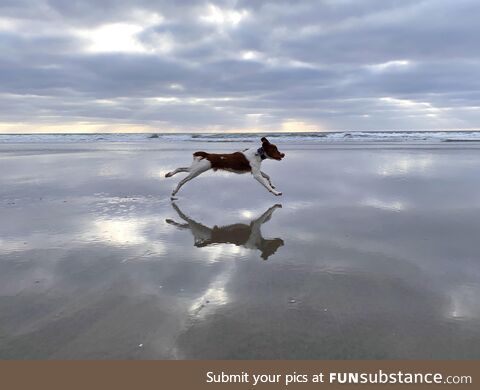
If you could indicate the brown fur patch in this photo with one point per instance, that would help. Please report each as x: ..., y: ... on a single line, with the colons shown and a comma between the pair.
x: 231, y: 161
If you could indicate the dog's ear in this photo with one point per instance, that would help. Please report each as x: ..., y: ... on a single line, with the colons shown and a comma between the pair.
x: 264, y: 140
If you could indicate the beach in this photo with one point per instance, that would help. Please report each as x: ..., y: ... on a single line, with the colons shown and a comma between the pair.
x: 372, y: 252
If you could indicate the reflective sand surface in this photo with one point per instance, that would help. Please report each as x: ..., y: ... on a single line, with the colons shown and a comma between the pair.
x: 374, y: 253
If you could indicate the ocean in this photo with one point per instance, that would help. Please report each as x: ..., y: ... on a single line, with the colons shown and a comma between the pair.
x: 280, y: 137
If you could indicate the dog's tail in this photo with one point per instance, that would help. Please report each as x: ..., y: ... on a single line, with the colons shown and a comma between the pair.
x: 200, y: 155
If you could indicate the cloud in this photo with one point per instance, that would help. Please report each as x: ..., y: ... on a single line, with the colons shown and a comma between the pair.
x: 238, y: 65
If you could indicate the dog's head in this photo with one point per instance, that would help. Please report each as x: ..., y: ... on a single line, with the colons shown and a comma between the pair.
x: 271, y: 150
x: 269, y: 247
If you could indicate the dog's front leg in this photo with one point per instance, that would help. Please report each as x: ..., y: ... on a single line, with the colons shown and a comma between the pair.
x: 264, y: 182
x: 265, y: 217
x: 268, y: 178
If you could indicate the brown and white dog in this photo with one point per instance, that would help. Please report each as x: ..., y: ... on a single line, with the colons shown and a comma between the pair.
x: 248, y: 160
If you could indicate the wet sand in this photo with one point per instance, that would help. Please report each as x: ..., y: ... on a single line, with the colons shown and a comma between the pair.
x: 371, y: 253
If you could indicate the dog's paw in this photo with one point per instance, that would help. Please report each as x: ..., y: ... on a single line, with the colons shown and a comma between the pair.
x: 277, y: 193
x: 169, y: 174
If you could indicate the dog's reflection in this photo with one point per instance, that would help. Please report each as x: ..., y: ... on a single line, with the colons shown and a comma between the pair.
x: 240, y: 234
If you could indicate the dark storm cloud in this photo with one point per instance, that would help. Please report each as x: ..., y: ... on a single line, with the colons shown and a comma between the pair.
x: 198, y: 65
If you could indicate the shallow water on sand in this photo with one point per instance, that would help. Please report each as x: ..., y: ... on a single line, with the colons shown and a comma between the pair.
x: 372, y: 252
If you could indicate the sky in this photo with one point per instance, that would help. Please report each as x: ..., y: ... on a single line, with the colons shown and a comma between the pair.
x: 245, y: 65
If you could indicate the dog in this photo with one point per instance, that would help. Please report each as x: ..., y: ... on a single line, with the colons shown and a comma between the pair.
x: 240, y: 234
x: 248, y: 160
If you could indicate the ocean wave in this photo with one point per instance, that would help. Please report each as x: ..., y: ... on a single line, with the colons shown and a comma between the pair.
x: 310, y: 137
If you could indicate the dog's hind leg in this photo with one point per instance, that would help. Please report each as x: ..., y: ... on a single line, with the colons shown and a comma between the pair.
x: 178, y: 170
x: 200, y: 232
x: 178, y: 225
x: 196, y: 169
x: 196, y: 160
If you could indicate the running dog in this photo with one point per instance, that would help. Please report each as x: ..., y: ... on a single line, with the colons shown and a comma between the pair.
x: 248, y: 160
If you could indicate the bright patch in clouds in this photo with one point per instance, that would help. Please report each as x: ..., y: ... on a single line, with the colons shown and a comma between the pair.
x: 411, y: 105
x: 7, y: 24
x: 223, y: 17
x: 250, y: 55
x: 390, y: 65
x: 300, y: 126
x: 177, y: 87
x: 124, y: 36
x: 385, y: 205
x: 116, y: 37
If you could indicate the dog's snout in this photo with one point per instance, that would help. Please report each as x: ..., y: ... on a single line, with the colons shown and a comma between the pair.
x: 282, y: 154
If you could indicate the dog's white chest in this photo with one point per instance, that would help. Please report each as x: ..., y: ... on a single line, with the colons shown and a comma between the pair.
x: 253, y: 159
